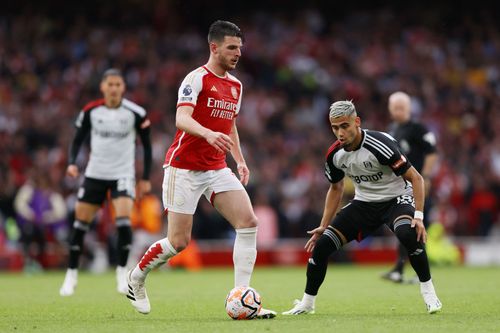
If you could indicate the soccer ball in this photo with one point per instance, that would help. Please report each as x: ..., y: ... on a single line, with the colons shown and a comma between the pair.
x: 243, y: 303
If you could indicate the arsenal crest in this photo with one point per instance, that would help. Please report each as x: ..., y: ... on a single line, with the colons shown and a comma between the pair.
x: 234, y: 92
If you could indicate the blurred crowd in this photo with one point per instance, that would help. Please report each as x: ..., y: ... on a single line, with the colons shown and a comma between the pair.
x: 293, y: 67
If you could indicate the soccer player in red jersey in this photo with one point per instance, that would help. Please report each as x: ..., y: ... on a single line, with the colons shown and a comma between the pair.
x: 195, y: 165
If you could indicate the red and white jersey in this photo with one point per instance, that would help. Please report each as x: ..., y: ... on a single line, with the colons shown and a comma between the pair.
x: 216, y: 101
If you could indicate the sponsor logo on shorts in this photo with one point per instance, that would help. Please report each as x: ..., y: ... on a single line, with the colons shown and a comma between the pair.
x: 405, y: 200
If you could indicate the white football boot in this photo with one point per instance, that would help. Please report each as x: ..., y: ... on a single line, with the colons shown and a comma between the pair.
x: 432, y: 302
x: 393, y: 276
x: 121, y: 280
x: 430, y: 298
x: 70, y: 282
x: 265, y: 314
x: 299, y: 308
x: 137, y: 295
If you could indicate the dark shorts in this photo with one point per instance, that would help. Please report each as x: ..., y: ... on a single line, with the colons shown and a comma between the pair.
x: 358, y: 219
x: 95, y: 191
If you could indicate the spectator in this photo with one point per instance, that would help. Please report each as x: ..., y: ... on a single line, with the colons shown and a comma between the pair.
x: 291, y: 67
x: 40, y: 210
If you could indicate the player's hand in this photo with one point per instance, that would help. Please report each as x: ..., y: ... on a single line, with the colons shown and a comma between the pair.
x: 72, y: 171
x: 421, y: 233
x: 143, y: 187
x: 219, y: 141
x: 244, y: 173
x: 316, y: 234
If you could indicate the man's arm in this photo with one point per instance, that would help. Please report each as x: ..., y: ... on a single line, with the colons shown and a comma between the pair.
x: 185, y: 122
x: 82, y: 131
x: 144, y: 131
x: 332, y: 202
x: 237, y: 154
x: 429, y: 162
x: 417, y: 182
x: 428, y: 144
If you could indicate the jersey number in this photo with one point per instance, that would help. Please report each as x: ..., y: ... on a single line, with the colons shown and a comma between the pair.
x: 126, y: 185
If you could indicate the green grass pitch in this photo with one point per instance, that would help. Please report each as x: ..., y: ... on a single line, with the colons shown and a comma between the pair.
x: 352, y: 299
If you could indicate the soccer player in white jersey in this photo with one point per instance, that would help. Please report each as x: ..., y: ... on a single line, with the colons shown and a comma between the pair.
x: 113, y: 123
x: 388, y: 190
x: 195, y: 165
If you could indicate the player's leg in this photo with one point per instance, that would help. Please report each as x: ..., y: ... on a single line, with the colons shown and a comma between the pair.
x: 396, y: 273
x: 231, y: 200
x: 84, y: 214
x: 123, y: 209
x: 417, y: 255
x: 91, y: 195
x: 343, y: 229
x: 331, y: 240
x: 235, y: 206
x: 226, y: 193
x: 179, y: 235
x: 181, y: 192
x: 427, y: 209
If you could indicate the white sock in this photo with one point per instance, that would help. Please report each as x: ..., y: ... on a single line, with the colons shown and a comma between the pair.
x: 244, y: 255
x: 72, y: 272
x: 427, y: 287
x: 156, y: 255
x: 308, y: 300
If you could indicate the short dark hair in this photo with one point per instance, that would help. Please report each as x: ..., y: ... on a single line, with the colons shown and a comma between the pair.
x: 111, y: 72
x: 220, y: 29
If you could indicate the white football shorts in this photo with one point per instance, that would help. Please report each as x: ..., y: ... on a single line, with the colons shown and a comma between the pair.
x: 183, y: 188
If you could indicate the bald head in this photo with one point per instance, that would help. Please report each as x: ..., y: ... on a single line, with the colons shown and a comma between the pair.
x: 400, y: 107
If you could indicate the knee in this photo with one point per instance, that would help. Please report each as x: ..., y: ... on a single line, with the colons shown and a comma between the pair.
x: 324, y: 247
x: 407, y: 236
x: 249, y: 222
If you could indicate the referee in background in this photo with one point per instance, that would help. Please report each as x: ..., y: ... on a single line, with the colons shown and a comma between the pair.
x: 419, y: 145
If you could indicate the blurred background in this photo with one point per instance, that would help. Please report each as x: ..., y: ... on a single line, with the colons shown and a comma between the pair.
x: 298, y: 58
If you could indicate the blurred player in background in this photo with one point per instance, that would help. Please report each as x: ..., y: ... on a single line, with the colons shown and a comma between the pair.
x: 113, y: 123
x: 388, y: 190
x: 419, y: 145
x: 195, y: 165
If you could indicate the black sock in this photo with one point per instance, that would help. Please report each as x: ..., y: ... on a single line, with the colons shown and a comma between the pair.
x: 328, y: 243
x: 76, y: 243
x: 416, y: 251
x: 420, y: 264
x: 400, y: 263
x: 124, y: 239
x: 315, y: 276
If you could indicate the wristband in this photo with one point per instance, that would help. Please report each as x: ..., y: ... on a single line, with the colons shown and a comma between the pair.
x: 418, y: 215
